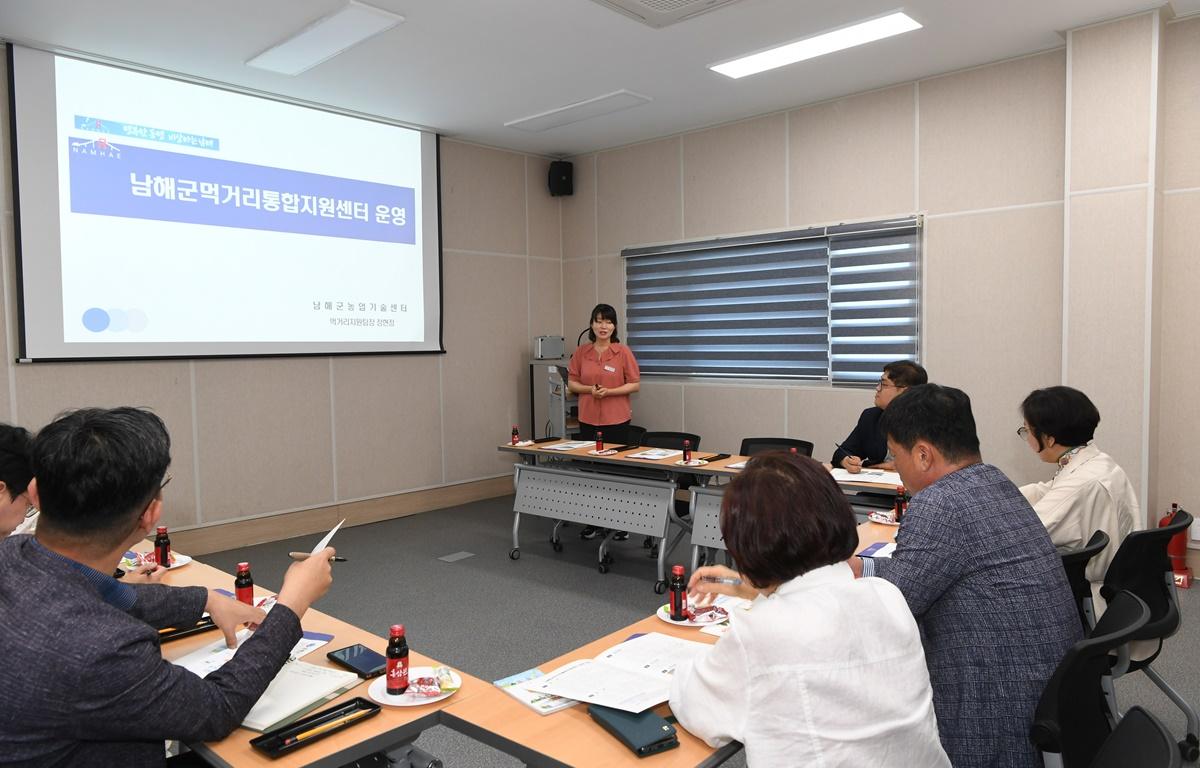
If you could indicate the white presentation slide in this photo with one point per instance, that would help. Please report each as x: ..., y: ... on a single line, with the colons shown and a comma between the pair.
x: 160, y: 218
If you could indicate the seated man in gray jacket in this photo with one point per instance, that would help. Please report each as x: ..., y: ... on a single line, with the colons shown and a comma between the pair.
x: 982, y: 579
x: 84, y: 681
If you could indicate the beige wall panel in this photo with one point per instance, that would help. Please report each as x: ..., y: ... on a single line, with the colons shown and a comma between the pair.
x: 387, y: 422
x: 264, y: 436
x: 43, y: 391
x: 658, y: 406
x: 1110, y: 104
x: 8, y: 258
x: 835, y: 147
x: 824, y: 415
x: 483, y: 199
x: 545, y: 223
x: 734, y: 178
x: 722, y: 416
x: 545, y: 298
x: 579, y: 211
x: 579, y: 296
x: 1179, y: 408
x: 1181, y: 105
x: 1105, y: 337
x: 610, y: 286
x: 638, y: 195
x: 485, y: 376
x: 1000, y: 343
x: 993, y: 136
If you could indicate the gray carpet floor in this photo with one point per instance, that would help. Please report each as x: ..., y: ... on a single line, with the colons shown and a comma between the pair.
x: 492, y: 616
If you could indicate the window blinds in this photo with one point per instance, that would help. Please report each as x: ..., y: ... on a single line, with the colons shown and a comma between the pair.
x: 822, y: 303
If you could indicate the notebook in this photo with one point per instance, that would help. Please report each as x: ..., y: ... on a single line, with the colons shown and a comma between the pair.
x: 298, y: 687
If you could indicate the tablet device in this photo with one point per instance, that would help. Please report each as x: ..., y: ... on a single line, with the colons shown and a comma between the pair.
x: 644, y: 732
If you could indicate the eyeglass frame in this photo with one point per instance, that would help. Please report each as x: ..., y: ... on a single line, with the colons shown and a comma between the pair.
x: 1022, y: 431
x: 879, y: 385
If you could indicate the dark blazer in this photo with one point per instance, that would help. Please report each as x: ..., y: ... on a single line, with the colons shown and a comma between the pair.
x: 85, y: 684
x: 867, y: 441
x: 996, y: 615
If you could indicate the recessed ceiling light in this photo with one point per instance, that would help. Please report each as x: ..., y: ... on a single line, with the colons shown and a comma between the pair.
x: 580, y: 110
x: 818, y: 45
x: 326, y: 38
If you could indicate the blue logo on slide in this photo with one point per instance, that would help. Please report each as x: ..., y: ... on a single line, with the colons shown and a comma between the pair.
x: 95, y: 320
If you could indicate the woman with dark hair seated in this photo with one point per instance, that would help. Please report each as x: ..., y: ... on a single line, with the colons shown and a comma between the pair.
x: 824, y: 669
x: 1089, y: 492
x: 17, y: 513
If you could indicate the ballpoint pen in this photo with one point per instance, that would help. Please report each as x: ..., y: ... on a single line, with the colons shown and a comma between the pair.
x: 722, y: 580
x: 306, y: 555
x: 324, y: 727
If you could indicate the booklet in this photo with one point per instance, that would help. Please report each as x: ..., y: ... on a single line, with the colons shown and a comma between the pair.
x: 542, y: 703
x: 632, y: 676
x: 656, y: 453
x: 868, y: 475
x: 569, y: 446
x: 879, y: 549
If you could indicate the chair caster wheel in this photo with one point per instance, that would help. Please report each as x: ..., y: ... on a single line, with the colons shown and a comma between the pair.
x: 557, y: 545
x: 660, y: 587
x: 1189, y: 749
x: 608, y: 559
x: 647, y: 542
x: 514, y: 554
x: 603, y: 567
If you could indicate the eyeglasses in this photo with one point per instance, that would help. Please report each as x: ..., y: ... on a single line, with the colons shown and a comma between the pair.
x: 884, y: 383
x: 1022, y: 431
x: 166, y: 479
x: 30, y: 511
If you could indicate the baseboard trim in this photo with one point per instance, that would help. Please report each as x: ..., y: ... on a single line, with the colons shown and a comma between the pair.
x: 245, y: 533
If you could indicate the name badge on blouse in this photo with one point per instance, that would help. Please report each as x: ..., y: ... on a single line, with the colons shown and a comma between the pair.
x: 610, y: 369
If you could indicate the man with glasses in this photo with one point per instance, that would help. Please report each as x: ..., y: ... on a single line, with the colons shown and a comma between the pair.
x: 867, y: 445
x: 83, y: 676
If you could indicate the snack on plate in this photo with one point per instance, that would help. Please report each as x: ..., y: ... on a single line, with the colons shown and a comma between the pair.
x: 134, y: 560
x: 445, y: 679
x: 424, y: 686
x: 709, y: 614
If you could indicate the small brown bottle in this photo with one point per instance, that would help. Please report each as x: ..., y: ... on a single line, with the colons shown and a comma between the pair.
x: 162, y: 547
x: 397, y: 661
x: 243, y: 585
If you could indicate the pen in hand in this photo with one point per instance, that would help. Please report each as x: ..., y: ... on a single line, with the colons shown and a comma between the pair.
x: 305, y: 556
x: 722, y: 580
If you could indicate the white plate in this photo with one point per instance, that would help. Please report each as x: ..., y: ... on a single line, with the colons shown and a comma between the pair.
x: 719, y: 614
x: 877, y: 518
x: 378, y: 689
x: 692, y: 463
x: 605, y: 452
x: 131, y: 564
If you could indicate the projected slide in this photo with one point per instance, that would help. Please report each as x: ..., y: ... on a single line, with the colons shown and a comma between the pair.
x: 192, y: 221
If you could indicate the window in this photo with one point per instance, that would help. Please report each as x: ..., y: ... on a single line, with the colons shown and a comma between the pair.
x: 826, y: 304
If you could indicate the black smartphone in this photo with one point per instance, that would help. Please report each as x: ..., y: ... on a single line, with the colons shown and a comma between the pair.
x: 360, y: 660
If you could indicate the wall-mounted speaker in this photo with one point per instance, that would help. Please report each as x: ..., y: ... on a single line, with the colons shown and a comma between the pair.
x: 561, y: 179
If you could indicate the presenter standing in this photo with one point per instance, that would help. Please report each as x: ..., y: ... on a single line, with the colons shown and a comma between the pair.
x: 603, y: 374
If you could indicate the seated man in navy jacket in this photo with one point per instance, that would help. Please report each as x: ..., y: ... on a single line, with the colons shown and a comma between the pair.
x: 84, y: 681
x: 867, y: 445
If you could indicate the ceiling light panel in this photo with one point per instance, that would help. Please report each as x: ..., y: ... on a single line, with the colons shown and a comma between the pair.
x: 580, y: 110
x: 326, y: 38
x: 835, y: 40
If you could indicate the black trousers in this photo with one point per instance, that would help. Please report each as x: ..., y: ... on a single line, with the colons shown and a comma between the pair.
x: 614, y: 434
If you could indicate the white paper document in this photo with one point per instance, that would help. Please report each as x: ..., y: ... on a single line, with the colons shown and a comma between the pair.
x: 656, y: 453
x: 213, y: 656
x: 570, y: 445
x: 736, y: 465
x: 868, y: 476
x: 297, y: 686
x: 328, y: 537
x: 632, y: 676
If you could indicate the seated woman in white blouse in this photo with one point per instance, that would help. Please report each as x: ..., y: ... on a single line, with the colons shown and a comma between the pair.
x: 1089, y: 492
x: 824, y: 669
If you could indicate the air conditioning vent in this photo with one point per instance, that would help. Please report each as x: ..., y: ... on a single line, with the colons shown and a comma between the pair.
x: 662, y: 13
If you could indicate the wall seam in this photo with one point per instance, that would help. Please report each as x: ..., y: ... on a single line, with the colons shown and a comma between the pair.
x: 1066, y: 259
x: 996, y: 209
x: 333, y: 430
x: 195, y: 440
x: 1109, y: 190
x: 1148, y: 309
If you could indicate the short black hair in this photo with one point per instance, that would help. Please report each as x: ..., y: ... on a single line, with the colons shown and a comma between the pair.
x: 97, y: 469
x: 940, y: 415
x: 1063, y: 413
x: 906, y: 373
x: 15, y: 471
x: 782, y: 516
x: 603, y: 312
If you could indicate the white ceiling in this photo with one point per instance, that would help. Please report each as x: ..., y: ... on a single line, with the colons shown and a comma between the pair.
x: 465, y: 67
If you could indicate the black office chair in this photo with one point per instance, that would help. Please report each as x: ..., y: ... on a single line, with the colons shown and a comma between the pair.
x: 634, y: 434
x: 753, y: 445
x: 1141, y: 566
x: 1075, y: 563
x: 1071, y: 720
x: 672, y: 440
x: 1141, y: 740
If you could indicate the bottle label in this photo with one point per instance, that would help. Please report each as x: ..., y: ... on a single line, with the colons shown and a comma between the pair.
x: 397, y: 676
x: 678, y: 604
x: 245, y: 594
x: 162, y: 554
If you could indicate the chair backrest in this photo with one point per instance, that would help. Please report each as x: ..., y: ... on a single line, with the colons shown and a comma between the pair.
x: 1075, y: 563
x: 672, y: 440
x: 1071, y: 718
x: 1141, y: 740
x: 753, y: 445
x: 1141, y: 566
x: 634, y: 434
